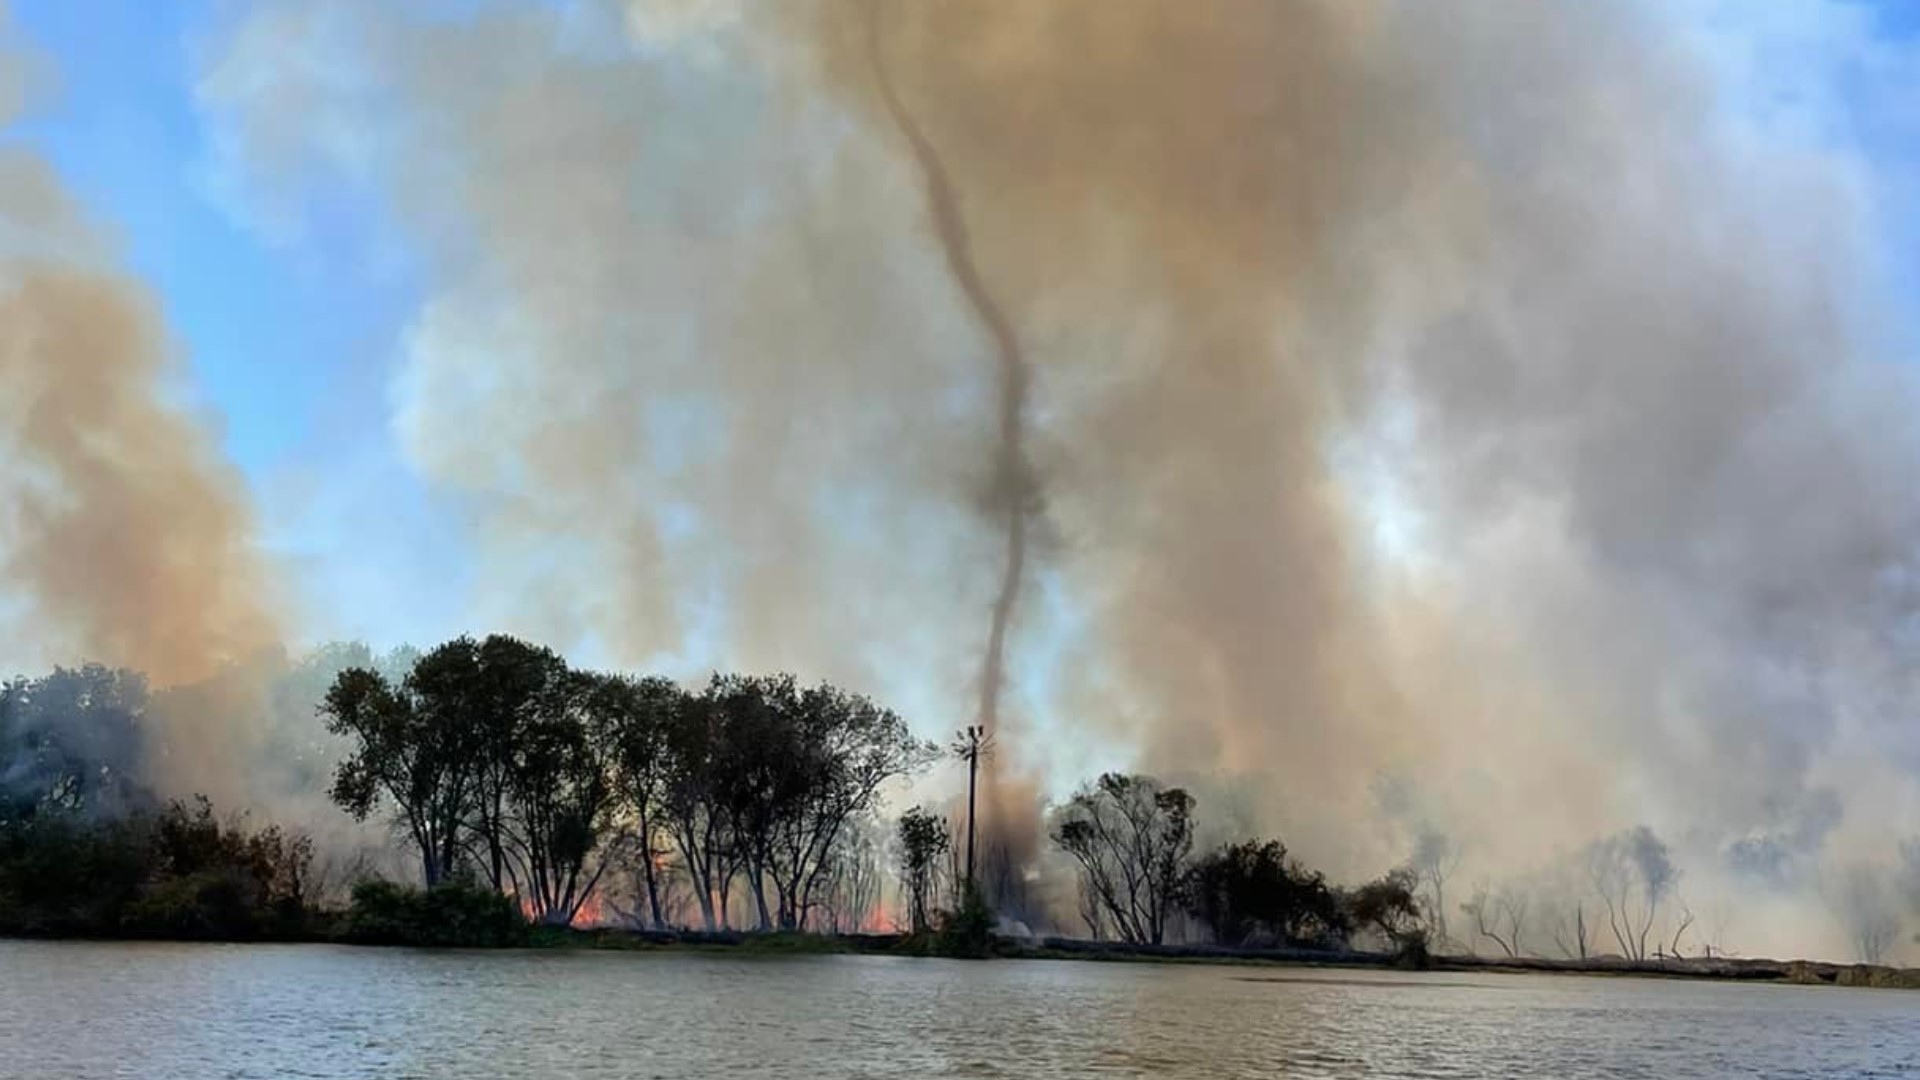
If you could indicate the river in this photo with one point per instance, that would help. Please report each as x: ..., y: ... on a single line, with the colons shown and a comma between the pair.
x: 157, y: 1012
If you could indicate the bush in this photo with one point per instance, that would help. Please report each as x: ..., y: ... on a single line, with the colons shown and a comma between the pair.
x: 210, y: 905
x: 968, y: 932
x: 1411, y: 951
x: 61, y: 877
x: 450, y: 915
x: 179, y: 873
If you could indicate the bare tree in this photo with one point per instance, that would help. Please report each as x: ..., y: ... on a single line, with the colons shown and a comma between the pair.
x: 1634, y: 875
x: 1868, y: 905
x: 1683, y: 921
x: 1435, y: 858
x: 1500, y: 917
x: 853, y: 880
x: 1131, y: 837
x: 1719, y: 917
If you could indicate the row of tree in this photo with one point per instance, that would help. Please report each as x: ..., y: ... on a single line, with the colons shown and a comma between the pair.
x: 1130, y: 840
x: 500, y: 761
x: 754, y: 801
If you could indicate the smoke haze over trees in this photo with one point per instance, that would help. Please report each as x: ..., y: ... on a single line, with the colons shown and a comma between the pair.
x: 1490, y: 398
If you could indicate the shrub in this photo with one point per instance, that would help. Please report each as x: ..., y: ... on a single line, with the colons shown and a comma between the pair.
x: 456, y: 914
x: 205, y: 905
x: 967, y: 932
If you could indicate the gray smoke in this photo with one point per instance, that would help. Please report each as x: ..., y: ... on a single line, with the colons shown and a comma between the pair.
x: 1478, y: 396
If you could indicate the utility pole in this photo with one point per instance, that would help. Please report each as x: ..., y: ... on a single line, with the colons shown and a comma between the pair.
x: 972, y: 742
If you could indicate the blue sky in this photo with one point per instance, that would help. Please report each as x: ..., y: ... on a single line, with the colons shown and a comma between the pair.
x: 289, y: 350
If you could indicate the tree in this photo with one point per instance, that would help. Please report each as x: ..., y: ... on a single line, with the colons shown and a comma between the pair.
x: 1390, y: 907
x: 1634, y: 875
x: 853, y: 879
x: 1499, y: 916
x: 636, y: 716
x: 767, y: 777
x: 1869, y: 909
x: 409, y: 748
x: 1571, y: 930
x: 849, y: 748
x: 560, y: 788
x: 71, y: 742
x: 923, y: 839
x: 761, y: 768
x: 1130, y: 837
x: 695, y: 759
x: 1435, y: 858
x: 508, y: 692
x: 1251, y: 890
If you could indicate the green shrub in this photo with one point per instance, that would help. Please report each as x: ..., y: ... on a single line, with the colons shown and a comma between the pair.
x: 61, y: 877
x: 205, y: 905
x: 967, y: 932
x: 455, y: 914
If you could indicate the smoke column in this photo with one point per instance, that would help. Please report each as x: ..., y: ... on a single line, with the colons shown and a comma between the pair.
x: 1485, y: 404
x: 1013, y: 490
x: 125, y: 538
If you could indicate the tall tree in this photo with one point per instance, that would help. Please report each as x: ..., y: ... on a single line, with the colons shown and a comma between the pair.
x: 847, y: 749
x: 922, y: 840
x: 695, y: 751
x: 1131, y: 837
x: 560, y: 788
x: 505, y: 689
x: 765, y: 764
x: 408, y: 747
x: 636, y: 717
x: 1633, y: 873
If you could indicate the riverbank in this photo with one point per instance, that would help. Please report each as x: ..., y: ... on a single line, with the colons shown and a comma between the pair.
x: 1719, y: 969
x: 1785, y: 972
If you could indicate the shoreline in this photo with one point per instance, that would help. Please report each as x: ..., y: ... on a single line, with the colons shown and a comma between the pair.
x: 752, y: 943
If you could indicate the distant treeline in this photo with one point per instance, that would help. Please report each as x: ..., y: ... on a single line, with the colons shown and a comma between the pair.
x: 533, y: 792
x: 505, y: 771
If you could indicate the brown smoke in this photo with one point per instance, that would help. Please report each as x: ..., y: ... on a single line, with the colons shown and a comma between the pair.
x: 1453, y: 400
x: 1012, y: 495
x: 125, y: 538
x: 1190, y: 181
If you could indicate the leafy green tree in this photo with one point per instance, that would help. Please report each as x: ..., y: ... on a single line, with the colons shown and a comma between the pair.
x: 1390, y: 907
x: 1131, y: 837
x: 848, y: 747
x: 510, y: 693
x: 635, y: 717
x: 561, y: 793
x: 411, y: 747
x: 923, y: 840
x: 693, y: 801
x: 1250, y: 890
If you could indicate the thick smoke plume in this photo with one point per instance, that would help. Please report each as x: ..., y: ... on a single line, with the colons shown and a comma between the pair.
x: 1472, y: 401
x: 1012, y: 492
x: 124, y: 538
